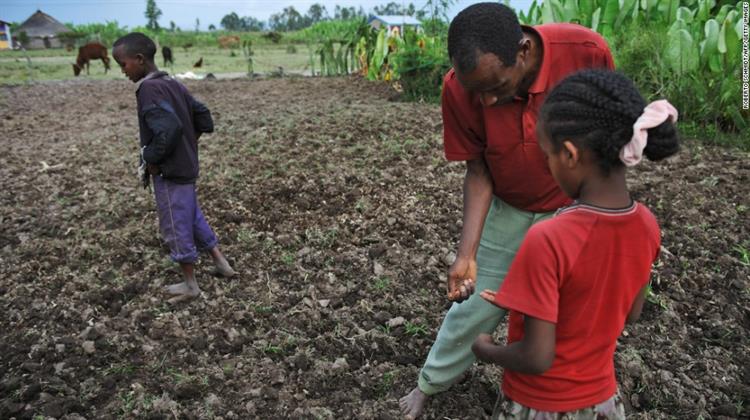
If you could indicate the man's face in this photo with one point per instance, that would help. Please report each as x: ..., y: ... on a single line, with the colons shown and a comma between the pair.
x: 495, y: 83
x: 132, y: 67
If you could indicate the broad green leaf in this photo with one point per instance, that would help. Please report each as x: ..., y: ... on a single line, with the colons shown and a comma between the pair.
x: 627, y: 7
x: 731, y: 16
x: 711, y: 30
x: 649, y: 6
x: 595, y: 19
x: 715, y: 63
x: 611, y: 9
x: 548, y: 14
x: 570, y: 11
x: 723, y: 13
x: 682, y: 53
x: 557, y: 7
x: 704, y: 9
x: 522, y: 18
x: 732, y: 43
x: 679, y: 24
x: 378, y: 57
x: 738, y: 119
x: 685, y: 14
x: 585, y: 11
x: 533, y: 13
x: 667, y: 10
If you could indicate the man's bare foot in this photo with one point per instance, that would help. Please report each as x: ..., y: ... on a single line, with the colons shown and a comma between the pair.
x: 412, y: 404
x: 183, y: 289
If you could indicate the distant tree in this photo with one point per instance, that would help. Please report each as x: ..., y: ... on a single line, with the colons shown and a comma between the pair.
x: 437, y: 13
x: 23, y: 38
x: 211, y: 27
x: 288, y: 20
x: 316, y: 13
x: 231, y: 22
x: 152, y: 14
x: 347, y: 12
x: 394, y: 8
x: 250, y: 23
x: 172, y: 26
x: 197, y: 25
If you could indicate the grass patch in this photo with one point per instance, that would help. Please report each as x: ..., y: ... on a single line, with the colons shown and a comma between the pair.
x: 56, y: 64
x: 382, y: 283
x: 385, y: 385
x: 415, y: 329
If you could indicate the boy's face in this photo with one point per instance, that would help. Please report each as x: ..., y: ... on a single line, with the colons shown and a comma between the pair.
x: 134, y: 67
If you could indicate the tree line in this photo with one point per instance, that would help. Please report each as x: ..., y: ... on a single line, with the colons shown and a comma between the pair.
x: 290, y: 19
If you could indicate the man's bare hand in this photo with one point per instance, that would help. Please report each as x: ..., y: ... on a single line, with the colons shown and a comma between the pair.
x: 462, y: 277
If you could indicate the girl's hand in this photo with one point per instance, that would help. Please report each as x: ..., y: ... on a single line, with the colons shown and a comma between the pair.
x: 489, y: 296
x: 483, y: 347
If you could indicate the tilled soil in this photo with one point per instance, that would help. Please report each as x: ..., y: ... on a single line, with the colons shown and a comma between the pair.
x: 341, y: 215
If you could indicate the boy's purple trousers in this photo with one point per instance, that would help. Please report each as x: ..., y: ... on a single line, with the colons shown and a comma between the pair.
x: 181, y: 221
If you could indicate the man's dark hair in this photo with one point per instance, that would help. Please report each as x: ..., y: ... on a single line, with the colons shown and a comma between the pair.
x: 137, y: 43
x: 596, y: 109
x: 488, y: 28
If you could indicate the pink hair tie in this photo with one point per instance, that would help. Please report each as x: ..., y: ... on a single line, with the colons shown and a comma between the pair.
x: 653, y: 115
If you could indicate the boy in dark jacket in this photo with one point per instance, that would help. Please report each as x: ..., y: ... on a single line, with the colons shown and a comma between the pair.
x: 170, y: 122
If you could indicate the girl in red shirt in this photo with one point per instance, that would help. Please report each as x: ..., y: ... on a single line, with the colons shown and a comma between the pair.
x: 580, y: 276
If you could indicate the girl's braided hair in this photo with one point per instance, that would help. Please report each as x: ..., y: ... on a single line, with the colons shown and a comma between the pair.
x: 596, y: 109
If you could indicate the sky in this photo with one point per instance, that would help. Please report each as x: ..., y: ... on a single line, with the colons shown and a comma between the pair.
x: 185, y: 12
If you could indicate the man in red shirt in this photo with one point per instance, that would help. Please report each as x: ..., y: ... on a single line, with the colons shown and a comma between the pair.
x: 502, y: 72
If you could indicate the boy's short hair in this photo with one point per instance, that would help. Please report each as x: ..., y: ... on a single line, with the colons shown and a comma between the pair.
x: 137, y: 43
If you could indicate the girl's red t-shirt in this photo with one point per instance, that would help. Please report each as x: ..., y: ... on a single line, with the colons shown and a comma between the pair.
x: 580, y: 270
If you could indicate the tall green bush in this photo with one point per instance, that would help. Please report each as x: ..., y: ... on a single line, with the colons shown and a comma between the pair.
x: 685, y: 50
x: 421, y: 64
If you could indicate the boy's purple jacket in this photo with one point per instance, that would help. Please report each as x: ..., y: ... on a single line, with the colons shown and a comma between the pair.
x: 170, y: 121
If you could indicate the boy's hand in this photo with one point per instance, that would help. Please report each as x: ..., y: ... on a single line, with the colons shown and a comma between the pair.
x: 462, y: 279
x: 154, y: 169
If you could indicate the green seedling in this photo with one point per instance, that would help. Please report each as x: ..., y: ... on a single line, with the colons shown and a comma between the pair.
x: 415, y: 329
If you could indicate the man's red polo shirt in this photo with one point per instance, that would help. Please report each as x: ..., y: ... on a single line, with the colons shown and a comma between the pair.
x: 505, y: 135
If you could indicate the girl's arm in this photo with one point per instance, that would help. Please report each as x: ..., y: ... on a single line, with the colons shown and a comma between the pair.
x: 532, y: 355
x: 635, y: 310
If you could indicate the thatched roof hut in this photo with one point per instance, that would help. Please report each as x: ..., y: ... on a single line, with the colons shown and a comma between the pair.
x: 42, y: 31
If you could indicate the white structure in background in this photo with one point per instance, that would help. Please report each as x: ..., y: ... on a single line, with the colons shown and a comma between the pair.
x: 6, y: 39
x: 395, y: 24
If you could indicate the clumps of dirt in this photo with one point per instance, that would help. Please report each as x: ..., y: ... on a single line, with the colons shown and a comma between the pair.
x: 341, y: 215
